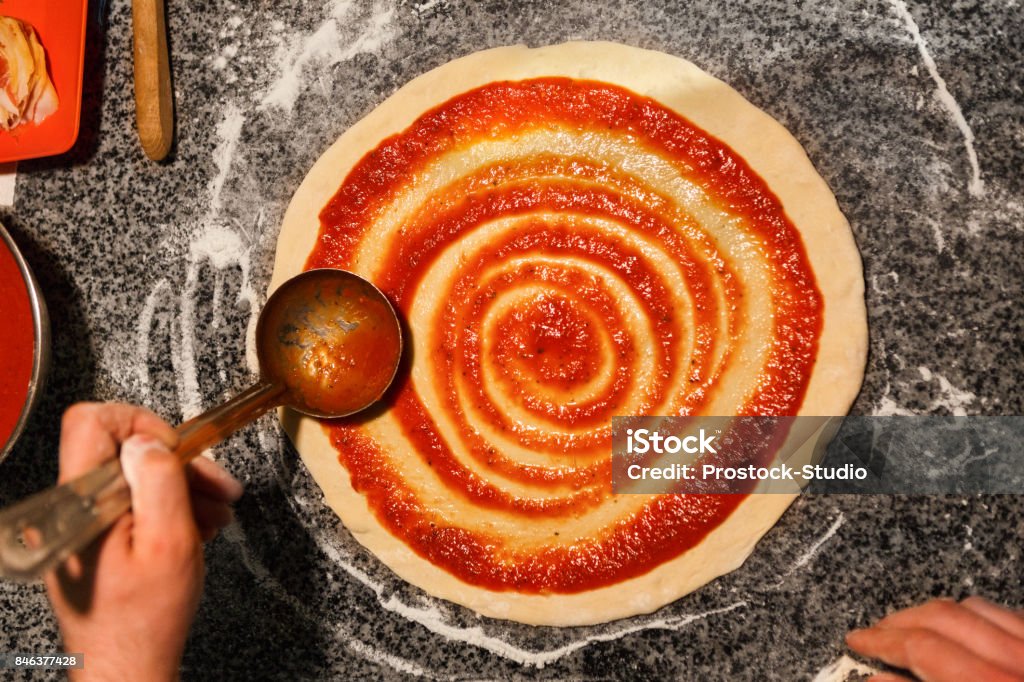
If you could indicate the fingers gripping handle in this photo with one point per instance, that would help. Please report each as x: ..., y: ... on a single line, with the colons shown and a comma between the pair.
x: 45, y: 529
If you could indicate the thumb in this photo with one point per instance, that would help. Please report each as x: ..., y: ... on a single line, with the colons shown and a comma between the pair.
x: 161, y: 505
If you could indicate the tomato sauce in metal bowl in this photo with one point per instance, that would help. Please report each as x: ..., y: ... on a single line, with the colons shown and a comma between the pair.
x: 24, y: 342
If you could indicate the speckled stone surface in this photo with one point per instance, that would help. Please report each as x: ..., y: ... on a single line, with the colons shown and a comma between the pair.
x: 153, y: 271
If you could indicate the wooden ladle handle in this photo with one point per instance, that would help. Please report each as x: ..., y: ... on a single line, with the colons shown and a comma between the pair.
x: 154, y: 107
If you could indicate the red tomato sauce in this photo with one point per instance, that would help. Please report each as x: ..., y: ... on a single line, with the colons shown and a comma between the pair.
x: 17, y: 343
x: 551, y: 343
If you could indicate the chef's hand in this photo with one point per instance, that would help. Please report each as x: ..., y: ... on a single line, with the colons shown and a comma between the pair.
x: 127, y: 601
x: 943, y: 640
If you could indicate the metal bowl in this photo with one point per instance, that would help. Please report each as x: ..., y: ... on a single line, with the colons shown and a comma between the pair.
x: 41, y: 345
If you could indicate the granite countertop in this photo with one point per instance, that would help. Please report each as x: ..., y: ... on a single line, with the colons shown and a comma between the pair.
x: 912, y: 112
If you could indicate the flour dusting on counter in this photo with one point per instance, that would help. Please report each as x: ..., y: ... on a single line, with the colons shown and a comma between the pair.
x: 156, y: 297
x: 949, y: 396
x: 944, y: 396
x: 843, y: 669
x: 223, y: 249
x: 426, y: 6
x: 806, y: 557
x: 975, y: 186
x: 887, y: 407
x: 391, y: 660
x: 228, y: 130
x: 331, y: 43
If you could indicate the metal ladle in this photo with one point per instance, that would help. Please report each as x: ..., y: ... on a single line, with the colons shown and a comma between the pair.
x: 328, y: 343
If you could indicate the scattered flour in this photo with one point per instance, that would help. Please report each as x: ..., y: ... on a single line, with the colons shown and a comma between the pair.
x: 975, y: 186
x: 940, y: 240
x: 427, y: 6
x: 228, y: 53
x: 842, y: 669
x: 330, y: 44
x: 228, y: 130
x: 813, y: 549
x: 161, y: 291
x: 887, y: 407
x: 949, y: 397
x: 953, y: 399
x: 223, y: 248
x: 378, y: 656
x: 431, y: 618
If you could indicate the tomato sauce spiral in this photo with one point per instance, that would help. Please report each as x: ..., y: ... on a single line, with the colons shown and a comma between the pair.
x: 562, y: 251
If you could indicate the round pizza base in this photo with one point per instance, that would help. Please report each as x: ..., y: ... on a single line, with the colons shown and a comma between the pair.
x: 723, y: 113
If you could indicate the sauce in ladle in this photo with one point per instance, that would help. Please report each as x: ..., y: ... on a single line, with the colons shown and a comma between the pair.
x: 333, y: 341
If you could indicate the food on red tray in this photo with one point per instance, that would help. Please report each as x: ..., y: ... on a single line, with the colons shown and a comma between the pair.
x: 26, y: 93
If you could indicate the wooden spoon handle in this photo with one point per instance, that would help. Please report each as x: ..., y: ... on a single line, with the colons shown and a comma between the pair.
x: 154, y: 108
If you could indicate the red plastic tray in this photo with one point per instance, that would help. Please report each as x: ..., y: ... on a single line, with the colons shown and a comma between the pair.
x: 61, y: 28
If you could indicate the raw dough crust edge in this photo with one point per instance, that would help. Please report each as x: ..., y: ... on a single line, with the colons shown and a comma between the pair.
x: 769, y: 150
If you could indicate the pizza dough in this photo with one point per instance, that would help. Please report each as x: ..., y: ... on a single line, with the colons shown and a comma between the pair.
x: 706, y: 102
